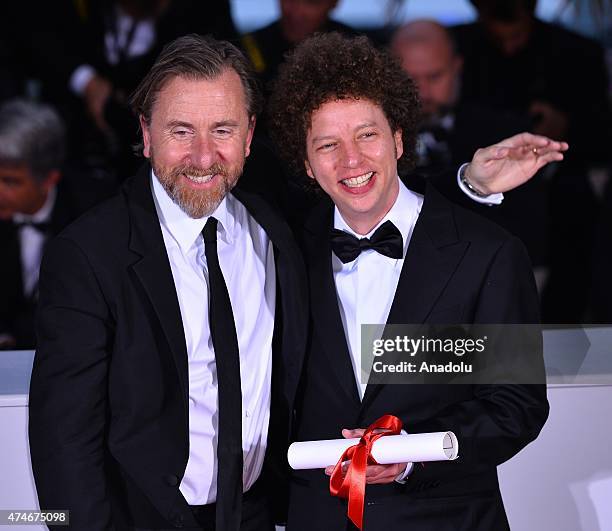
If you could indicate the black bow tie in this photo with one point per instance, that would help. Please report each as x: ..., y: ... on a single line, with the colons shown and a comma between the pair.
x: 386, y: 240
x: 41, y: 226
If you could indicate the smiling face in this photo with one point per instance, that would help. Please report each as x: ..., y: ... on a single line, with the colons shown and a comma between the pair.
x: 197, y: 139
x: 352, y: 154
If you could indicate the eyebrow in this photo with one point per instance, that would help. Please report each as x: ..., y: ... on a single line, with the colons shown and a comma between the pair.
x: 222, y: 123
x: 225, y: 123
x: 331, y: 137
x: 178, y: 123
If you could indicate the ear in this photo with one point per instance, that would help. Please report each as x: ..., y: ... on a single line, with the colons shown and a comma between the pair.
x: 146, y: 136
x: 308, y: 169
x: 399, y: 144
x: 249, y: 139
x: 52, y: 178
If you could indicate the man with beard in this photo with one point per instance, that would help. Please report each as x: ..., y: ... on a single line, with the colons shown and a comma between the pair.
x: 162, y: 315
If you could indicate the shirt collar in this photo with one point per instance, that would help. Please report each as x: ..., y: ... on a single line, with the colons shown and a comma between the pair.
x: 43, y: 214
x: 403, y: 215
x: 184, y: 229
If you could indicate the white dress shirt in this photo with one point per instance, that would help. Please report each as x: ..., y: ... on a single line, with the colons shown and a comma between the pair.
x: 116, y: 41
x: 32, y: 241
x: 366, y: 286
x: 247, y: 261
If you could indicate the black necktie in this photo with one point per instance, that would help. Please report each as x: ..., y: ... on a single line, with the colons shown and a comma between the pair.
x: 386, y: 240
x: 225, y: 343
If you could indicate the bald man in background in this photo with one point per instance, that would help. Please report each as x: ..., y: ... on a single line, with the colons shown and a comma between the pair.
x: 452, y: 130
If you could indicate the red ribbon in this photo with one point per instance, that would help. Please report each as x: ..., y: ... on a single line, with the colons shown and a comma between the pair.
x: 352, y: 486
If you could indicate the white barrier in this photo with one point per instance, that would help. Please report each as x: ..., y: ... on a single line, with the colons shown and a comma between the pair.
x: 562, y: 481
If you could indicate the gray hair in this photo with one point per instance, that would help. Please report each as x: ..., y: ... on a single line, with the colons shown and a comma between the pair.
x: 33, y: 135
x: 195, y: 57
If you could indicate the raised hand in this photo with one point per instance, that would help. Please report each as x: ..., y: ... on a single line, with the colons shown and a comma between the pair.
x: 512, y: 162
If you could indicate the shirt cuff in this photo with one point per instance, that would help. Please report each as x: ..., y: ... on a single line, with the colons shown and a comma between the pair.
x: 403, y: 477
x: 492, y: 199
x: 80, y: 77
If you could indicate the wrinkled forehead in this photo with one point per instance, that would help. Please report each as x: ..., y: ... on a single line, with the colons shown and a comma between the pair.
x: 225, y: 85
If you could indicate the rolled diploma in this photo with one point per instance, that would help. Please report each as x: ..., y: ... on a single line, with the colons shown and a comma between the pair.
x: 415, y: 447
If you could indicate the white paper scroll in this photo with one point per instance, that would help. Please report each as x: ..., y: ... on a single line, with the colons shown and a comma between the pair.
x: 415, y: 448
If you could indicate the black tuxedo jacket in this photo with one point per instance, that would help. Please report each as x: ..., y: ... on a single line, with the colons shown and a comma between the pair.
x: 459, y: 268
x: 109, y: 433
x: 75, y: 194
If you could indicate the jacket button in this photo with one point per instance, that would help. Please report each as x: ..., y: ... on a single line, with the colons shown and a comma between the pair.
x: 178, y: 521
x: 171, y: 480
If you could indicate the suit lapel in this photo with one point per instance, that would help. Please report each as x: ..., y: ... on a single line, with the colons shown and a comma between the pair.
x: 291, y: 287
x: 153, y: 269
x: 326, y: 318
x: 433, y: 255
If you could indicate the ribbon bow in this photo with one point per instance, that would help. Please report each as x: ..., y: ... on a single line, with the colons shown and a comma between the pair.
x: 352, y: 486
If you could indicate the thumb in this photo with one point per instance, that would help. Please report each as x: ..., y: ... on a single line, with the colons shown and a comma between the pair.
x: 347, y: 434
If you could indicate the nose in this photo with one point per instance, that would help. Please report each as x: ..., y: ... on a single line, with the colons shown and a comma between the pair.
x: 351, y: 155
x: 203, y: 151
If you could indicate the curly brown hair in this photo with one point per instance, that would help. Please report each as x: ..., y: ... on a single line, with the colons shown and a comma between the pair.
x: 331, y: 66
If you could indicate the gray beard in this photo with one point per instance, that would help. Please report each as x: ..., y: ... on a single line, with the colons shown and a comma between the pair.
x: 195, y: 203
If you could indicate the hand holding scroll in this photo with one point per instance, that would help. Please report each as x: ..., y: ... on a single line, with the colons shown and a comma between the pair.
x: 375, y: 474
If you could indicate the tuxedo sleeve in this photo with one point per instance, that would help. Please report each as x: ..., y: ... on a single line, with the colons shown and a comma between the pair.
x: 68, y: 390
x: 500, y: 419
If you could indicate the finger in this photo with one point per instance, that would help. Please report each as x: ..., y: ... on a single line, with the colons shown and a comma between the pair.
x: 373, y: 471
x: 330, y: 469
x: 545, y: 159
x: 383, y: 474
x: 352, y: 434
x: 377, y: 471
x: 555, y: 146
x: 525, y: 139
x: 495, y: 152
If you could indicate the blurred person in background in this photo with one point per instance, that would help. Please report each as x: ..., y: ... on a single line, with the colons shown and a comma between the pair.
x: 451, y: 130
x: 558, y: 79
x: 91, y: 54
x: 267, y: 46
x: 35, y: 204
x: 514, y: 61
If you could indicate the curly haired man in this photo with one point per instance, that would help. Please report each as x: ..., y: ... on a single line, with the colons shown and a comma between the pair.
x: 346, y: 113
